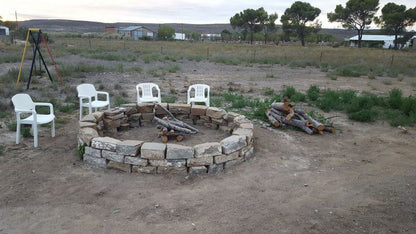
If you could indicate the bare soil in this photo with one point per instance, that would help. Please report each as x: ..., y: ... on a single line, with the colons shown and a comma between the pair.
x: 361, y: 179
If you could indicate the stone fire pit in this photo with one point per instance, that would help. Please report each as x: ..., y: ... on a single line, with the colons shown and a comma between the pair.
x: 138, y: 156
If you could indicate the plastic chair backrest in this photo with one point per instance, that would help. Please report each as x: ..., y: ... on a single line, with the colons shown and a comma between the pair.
x: 147, y: 89
x: 200, y: 90
x: 86, y: 90
x: 22, y: 101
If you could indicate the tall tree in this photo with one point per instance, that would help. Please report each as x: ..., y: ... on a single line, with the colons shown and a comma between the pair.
x: 250, y: 20
x: 395, y: 18
x: 356, y: 15
x: 269, y: 26
x: 296, y: 17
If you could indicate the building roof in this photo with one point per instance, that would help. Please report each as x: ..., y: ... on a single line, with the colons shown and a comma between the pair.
x: 3, y: 27
x: 375, y: 38
x: 130, y: 28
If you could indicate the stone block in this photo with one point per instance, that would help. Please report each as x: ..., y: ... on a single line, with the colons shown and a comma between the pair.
x: 248, y: 133
x: 113, y: 156
x: 145, y: 107
x: 119, y: 166
x: 220, y: 122
x: 197, y: 110
x: 215, y: 112
x: 177, y: 108
x: 215, y: 168
x: 225, y: 157
x: 172, y: 170
x: 114, y: 117
x: 247, y: 125
x: 205, y: 118
x: 233, y: 162
x: 160, y: 111
x: 176, y: 162
x: 146, y: 170
x: 197, y: 170
x: 114, y: 111
x: 135, y: 161
x: 89, y: 118
x: 247, y: 152
x: 130, y: 108
x: 230, y: 116
x: 225, y: 129
x: 148, y: 117
x: 94, y: 161
x: 207, y: 149
x: 105, y: 143
x: 98, y: 115
x: 152, y: 150
x: 174, y: 151
x: 201, y: 161
x: 87, y: 125
x: 93, y: 152
x: 158, y: 162
x: 87, y: 135
x: 233, y: 143
x: 110, y: 124
x: 129, y: 147
x: 241, y: 119
x: 135, y: 117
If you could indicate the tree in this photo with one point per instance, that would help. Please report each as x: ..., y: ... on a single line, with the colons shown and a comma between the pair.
x: 296, y: 17
x: 395, y: 18
x: 269, y: 26
x: 356, y: 15
x: 250, y: 20
x: 226, y: 35
x: 166, y: 33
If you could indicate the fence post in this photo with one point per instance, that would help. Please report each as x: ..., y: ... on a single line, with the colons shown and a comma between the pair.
x: 320, y: 57
x: 207, y: 52
x: 392, y: 60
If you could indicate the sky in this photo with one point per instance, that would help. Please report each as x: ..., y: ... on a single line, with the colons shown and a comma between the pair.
x: 159, y: 11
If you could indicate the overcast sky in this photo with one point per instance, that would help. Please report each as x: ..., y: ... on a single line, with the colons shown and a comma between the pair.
x: 159, y: 11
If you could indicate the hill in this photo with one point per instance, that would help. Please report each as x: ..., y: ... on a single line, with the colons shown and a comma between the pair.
x: 54, y: 25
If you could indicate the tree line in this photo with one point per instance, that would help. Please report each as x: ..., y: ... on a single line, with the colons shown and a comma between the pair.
x: 299, y: 19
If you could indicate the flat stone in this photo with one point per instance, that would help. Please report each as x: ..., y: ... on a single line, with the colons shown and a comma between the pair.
x: 135, y: 161
x: 98, y: 115
x: 87, y: 134
x: 130, y: 108
x: 241, y: 119
x: 113, y: 156
x: 205, y: 118
x: 119, y: 166
x: 160, y: 111
x: 175, y: 151
x: 247, y: 125
x: 145, y: 107
x: 248, y: 133
x: 94, y: 161
x: 177, y: 108
x: 247, y: 152
x: 215, y: 112
x: 158, y: 163
x: 105, y: 143
x: 230, y: 116
x: 168, y: 163
x: 135, y: 117
x: 177, y: 162
x: 220, y: 122
x: 207, y: 149
x: 225, y: 158
x: 89, y: 118
x: 129, y: 147
x: 114, y: 111
x: 234, y: 162
x: 148, y: 116
x: 87, y: 125
x: 225, y: 129
x: 110, y: 124
x: 114, y: 117
x: 197, y: 170
x: 197, y: 110
x: 201, y: 161
x: 152, y: 150
x: 233, y: 143
x: 93, y: 152
x: 146, y: 170
x: 215, y: 168
x: 172, y: 170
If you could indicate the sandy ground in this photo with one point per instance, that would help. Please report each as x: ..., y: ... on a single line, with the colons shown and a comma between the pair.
x: 361, y: 179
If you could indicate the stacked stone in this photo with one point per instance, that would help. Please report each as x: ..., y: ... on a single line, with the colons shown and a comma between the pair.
x: 115, y: 119
x: 149, y: 157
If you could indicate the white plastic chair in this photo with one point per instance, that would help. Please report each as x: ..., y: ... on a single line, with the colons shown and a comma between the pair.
x: 200, y: 94
x: 24, y: 104
x: 88, y: 92
x: 145, y: 93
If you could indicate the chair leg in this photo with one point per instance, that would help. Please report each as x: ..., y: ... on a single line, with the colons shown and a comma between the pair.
x: 53, y: 128
x: 35, y: 134
x: 80, y: 111
x: 17, y: 133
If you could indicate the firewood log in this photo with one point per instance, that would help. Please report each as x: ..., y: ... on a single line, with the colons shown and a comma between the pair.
x: 293, y: 122
x: 315, y: 123
x: 172, y: 126
x: 272, y: 120
x: 177, y: 122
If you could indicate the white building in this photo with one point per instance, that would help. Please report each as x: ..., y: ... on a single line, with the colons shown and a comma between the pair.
x: 180, y: 36
x: 386, y: 41
x: 4, y: 31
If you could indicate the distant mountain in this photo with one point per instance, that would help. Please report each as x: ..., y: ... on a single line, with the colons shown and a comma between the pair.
x: 55, y: 25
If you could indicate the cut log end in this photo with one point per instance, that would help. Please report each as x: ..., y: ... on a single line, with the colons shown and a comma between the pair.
x: 179, y: 138
x: 165, y: 139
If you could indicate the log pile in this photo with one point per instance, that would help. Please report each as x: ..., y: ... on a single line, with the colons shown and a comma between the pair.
x: 170, y: 127
x: 282, y: 113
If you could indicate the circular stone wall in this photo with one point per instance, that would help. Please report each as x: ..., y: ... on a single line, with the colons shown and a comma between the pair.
x: 135, y: 156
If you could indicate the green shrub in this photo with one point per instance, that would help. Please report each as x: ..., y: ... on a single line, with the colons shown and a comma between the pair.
x: 347, y: 71
x: 395, y: 98
x: 68, y: 108
x: 288, y: 92
x: 268, y: 91
x: 364, y: 115
x: 313, y: 93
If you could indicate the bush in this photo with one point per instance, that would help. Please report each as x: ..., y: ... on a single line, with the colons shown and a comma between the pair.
x: 395, y: 98
x: 313, y: 93
x: 364, y: 115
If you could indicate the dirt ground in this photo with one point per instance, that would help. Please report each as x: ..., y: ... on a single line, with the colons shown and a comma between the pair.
x: 361, y: 179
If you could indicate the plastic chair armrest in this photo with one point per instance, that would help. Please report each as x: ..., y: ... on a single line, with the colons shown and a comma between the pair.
x: 45, y: 104
x: 105, y: 93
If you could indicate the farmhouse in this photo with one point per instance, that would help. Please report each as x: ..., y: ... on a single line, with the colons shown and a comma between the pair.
x: 382, y: 41
x: 111, y: 29
x: 136, y: 32
x: 4, y: 31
